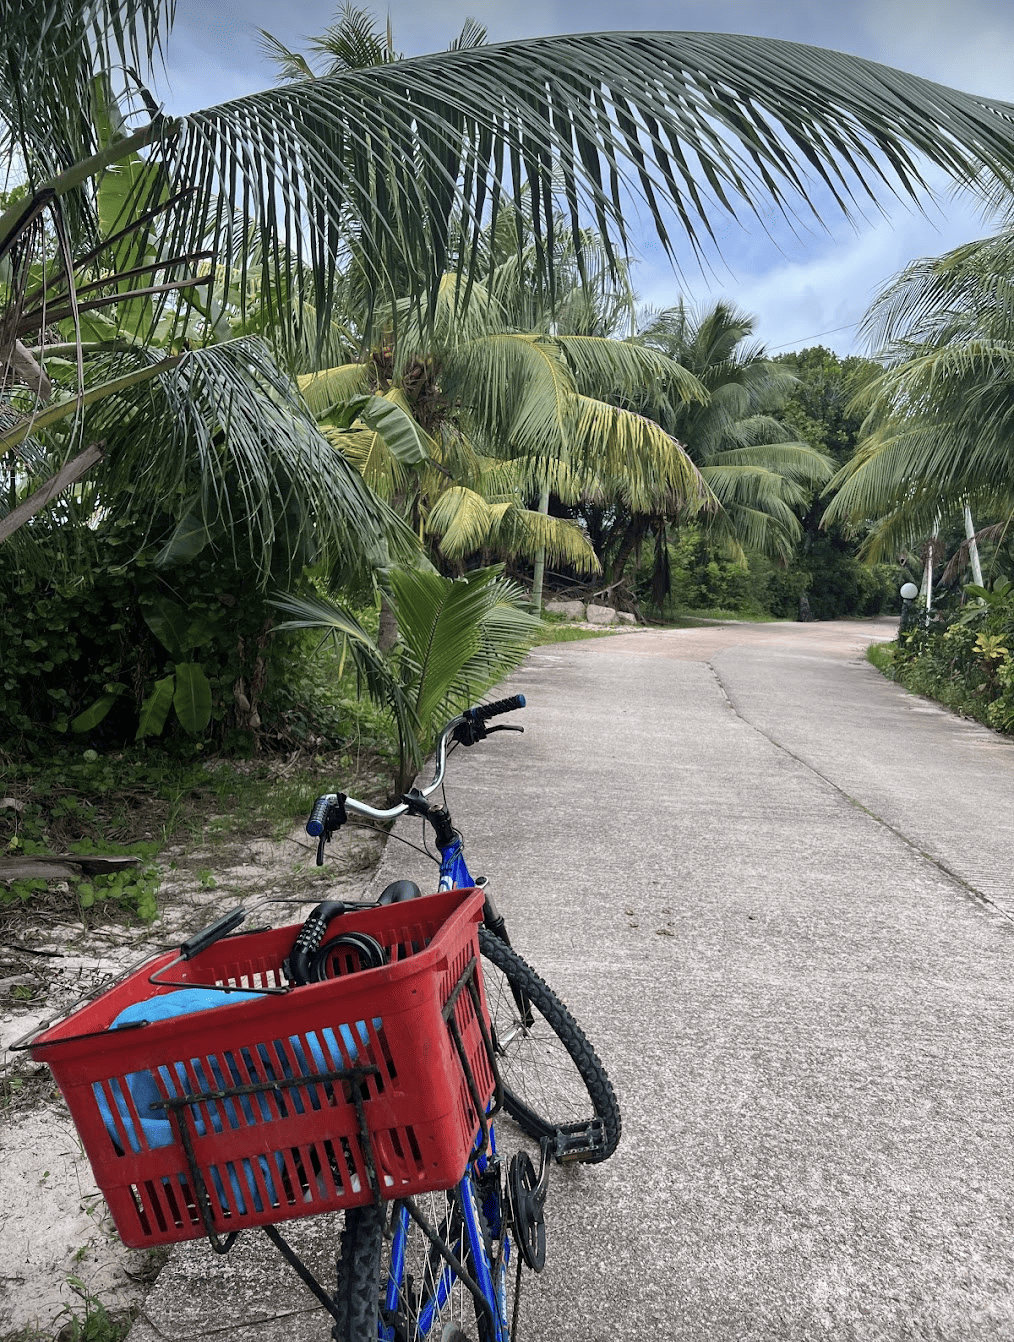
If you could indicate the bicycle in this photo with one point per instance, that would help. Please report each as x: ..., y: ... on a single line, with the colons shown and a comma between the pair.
x: 550, y: 1104
x: 355, y: 1074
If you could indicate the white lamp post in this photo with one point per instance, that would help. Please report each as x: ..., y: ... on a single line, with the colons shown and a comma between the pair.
x: 908, y: 593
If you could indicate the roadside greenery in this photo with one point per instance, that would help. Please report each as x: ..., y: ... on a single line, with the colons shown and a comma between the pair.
x: 964, y: 658
x: 343, y: 399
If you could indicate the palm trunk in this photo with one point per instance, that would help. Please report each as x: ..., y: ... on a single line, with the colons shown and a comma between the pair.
x: 539, y: 570
x: 387, y: 629
x: 973, y: 548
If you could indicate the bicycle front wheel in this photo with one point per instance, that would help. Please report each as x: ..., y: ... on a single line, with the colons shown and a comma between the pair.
x: 555, y: 1087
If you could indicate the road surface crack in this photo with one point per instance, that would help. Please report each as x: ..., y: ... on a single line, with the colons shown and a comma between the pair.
x: 977, y: 896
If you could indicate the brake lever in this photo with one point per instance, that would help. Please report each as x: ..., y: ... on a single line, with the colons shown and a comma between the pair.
x: 504, y: 728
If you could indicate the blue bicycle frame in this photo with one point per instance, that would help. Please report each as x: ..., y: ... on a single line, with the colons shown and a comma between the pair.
x: 454, y: 875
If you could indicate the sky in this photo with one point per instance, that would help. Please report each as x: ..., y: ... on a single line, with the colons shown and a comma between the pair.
x: 808, y: 289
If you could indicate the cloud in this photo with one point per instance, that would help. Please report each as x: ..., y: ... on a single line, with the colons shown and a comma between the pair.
x: 819, y: 294
x: 965, y: 45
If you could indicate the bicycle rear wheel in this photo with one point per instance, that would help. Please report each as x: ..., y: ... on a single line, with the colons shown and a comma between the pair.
x: 554, y: 1084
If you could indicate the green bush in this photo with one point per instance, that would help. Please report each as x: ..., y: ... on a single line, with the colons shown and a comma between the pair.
x: 964, y: 660
x: 835, y: 584
x: 115, y: 648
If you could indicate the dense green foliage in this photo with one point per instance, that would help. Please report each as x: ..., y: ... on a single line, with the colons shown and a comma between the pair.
x: 87, y: 645
x: 813, y: 571
x: 965, y: 661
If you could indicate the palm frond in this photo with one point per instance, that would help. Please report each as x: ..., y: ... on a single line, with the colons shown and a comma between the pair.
x: 468, y: 522
x: 383, y: 686
x: 458, y: 636
x: 405, y: 152
x: 332, y: 387
x: 223, y: 433
x: 794, y: 461
x: 641, y: 457
x: 602, y: 366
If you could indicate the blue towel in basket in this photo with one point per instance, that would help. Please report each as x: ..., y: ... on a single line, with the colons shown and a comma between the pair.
x: 263, y: 1065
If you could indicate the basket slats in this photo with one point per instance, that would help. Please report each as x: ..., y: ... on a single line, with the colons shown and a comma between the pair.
x: 271, y: 1094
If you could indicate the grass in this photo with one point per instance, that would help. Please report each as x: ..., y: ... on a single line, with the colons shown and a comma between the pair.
x: 94, y: 1324
x: 881, y: 655
x: 63, y: 809
x: 568, y: 633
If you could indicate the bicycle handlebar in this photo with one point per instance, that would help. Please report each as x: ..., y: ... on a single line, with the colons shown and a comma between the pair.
x: 480, y: 714
x: 483, y: 712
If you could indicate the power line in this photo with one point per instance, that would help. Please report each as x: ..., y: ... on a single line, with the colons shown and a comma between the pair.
x: 794, y: 344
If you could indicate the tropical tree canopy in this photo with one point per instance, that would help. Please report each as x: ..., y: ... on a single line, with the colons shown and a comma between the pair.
x: 938, y: 432
x: 758, y: 471
x: 505, y: 416
x: 407, y: 166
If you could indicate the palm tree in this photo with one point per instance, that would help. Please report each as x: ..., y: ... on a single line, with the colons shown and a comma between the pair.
x: 506, y: 416
x: 758, y: 471
x: 757, y: 475
x: 392, y: 162
x: 936, y: 439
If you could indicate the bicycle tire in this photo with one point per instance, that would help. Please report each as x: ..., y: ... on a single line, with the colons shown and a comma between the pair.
x: 357, y: 1295
x: 554, y: 1083
x: 365, y: 1269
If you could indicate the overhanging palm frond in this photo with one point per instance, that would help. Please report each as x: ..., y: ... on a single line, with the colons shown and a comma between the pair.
x: 632, y: 450
x: 403, y: 152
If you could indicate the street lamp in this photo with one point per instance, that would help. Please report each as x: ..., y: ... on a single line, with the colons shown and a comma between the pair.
x: 909, y: 592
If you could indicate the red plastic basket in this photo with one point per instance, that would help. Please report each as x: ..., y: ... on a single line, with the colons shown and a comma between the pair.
x: 298, y: 1103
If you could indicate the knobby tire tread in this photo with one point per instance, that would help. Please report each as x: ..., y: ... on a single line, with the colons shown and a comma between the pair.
x: 357, y: 1298
x: 601, y: 1095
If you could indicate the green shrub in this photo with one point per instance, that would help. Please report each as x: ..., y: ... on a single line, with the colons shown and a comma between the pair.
x: 964, y: 660
x: 113, y: 648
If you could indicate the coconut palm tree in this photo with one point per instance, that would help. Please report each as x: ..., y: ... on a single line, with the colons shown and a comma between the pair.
x: 757, y: 475
x: 391, y: 163
x: 757, y: 470
x: 506, y: 417
x: 936, y: 440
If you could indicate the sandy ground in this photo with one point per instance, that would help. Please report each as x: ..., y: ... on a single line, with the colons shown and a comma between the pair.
x: 57, y: 1242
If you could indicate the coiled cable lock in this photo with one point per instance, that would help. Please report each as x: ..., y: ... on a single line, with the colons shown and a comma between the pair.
x: 312, y: 959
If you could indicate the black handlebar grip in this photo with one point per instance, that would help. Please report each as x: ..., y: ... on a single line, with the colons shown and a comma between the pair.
x: 486, y: 711
x: 315, y: 825
x: 200, y: 941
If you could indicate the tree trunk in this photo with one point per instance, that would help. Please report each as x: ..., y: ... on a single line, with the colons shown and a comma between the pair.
x: 973, y: 548
x: 69, y: 475
x: 387, y: 632
x: 540, y: 558
x: 632, y: 536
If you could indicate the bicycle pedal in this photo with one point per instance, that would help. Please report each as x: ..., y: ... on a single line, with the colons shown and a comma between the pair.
x: 578, y: 1142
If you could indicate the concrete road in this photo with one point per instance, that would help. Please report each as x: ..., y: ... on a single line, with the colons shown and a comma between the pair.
x: 777, y: 891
